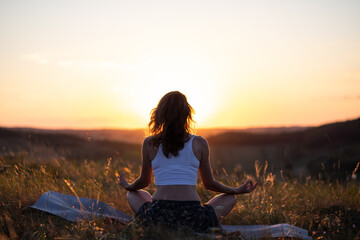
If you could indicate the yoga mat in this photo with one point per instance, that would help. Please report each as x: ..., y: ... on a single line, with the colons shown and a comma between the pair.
x: 75, y: 209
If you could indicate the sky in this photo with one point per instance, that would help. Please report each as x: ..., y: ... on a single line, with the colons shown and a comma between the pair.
x: 106, y: 64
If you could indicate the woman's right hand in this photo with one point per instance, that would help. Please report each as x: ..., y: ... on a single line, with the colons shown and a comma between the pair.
x: 247, y: 187
x: 122, y: 181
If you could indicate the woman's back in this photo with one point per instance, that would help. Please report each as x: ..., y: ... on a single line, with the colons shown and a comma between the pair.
x: 181, y: 169
x: 175, y: 178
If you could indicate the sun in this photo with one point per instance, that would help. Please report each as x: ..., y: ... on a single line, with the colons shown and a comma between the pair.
x: 164, y: 71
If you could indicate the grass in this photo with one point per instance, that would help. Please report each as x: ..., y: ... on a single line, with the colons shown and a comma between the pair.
x: 327, y: 209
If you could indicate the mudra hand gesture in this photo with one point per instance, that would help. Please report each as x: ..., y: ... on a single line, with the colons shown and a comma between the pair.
x: 122, y: 181
x: 247, y: 187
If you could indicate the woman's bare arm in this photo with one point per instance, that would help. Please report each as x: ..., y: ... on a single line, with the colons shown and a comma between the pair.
x: 207, y: 177
x: 145, y: 177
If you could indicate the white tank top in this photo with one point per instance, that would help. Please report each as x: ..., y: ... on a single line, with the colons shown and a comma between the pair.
x: 179, y: 170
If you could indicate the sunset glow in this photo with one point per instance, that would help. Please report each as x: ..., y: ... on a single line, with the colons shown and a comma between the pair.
x: 92, y: 64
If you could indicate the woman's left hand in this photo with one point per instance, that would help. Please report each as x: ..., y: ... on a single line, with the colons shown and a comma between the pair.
x: 247, y: 187
x: 122, y: 181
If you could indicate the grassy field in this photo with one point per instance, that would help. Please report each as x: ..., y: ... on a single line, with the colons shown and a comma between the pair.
x: 327, y: 209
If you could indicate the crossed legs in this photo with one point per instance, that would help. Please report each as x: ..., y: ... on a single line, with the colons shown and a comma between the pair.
x: 137, y: 198
x: 222, y: 203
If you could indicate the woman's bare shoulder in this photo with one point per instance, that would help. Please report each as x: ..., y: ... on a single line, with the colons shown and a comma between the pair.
x: 149, y: 147
x: 199, y: 145
x: 201, y: 141
x: 149, y: 141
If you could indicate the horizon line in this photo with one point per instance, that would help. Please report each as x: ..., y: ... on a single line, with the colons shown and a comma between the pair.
x: 195, y: 128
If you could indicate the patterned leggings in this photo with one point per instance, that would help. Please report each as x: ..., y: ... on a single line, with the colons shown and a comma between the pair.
x: 174, y: 214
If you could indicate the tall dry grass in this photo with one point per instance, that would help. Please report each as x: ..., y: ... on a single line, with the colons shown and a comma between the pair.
x: 327, y: 209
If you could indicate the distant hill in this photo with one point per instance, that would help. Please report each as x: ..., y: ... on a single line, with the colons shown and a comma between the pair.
x: 296, y: 150
x: 332, y: 149
x: 122, y: 135
x: 88, y: 144
x: 54, y: 144
x: 334, y: 133
x: 137, y: 135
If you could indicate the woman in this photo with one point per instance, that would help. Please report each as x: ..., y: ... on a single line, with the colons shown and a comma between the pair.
x: 175, y: 156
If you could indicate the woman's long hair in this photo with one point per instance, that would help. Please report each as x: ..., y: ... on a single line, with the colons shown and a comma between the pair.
x: 171, y: 122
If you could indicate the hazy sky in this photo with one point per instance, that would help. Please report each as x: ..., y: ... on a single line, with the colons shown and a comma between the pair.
x: 95, y: 64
